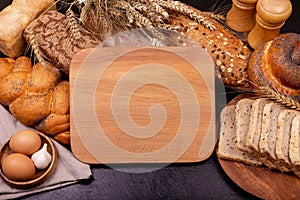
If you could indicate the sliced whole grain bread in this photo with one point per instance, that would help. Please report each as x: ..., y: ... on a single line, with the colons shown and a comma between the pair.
x: 284, y: 125
x: 227, y: 148
x: 294, y: 150
x: 267, y: 140
x: 255, y: 124
x: 243, y: 112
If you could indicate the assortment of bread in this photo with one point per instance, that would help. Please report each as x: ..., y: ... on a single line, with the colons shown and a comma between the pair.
x: 254, y: 130
x: 258, y: 132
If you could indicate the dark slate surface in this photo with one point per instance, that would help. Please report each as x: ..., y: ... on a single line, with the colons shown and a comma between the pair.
x: 205, y: 180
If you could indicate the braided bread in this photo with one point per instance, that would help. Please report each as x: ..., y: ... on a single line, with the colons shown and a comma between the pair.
x: 36, y: 95
x: 276, y: 64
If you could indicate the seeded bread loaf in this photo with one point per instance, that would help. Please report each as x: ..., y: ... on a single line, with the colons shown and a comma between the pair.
x: 36, y: 95
x: 227, y: 148
x: 228, y: 52
x: 276, y: 65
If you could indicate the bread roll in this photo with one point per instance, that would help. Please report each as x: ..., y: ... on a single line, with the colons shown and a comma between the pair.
x: 36, y: 95
x: 13, y: 19
x: 276, y: 64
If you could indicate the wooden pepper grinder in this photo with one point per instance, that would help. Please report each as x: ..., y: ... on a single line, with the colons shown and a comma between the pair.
x: 270, y: 17
x: 241, y: 16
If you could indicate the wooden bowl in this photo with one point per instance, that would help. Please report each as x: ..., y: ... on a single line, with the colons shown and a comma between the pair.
x: 40, y: 175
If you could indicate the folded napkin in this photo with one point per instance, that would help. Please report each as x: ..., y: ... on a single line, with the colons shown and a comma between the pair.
x: 68, y: 170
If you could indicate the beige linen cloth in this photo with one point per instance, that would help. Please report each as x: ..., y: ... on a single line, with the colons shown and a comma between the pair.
x: 68, y: 170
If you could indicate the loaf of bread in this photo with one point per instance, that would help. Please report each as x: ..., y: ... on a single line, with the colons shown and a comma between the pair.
x: 276, y: 65
x: 13, y: 19
x: 36, y: 95
x: 58, y: 38
x: 53, y: 33
x: 278, y: 141
x: 228, y: 52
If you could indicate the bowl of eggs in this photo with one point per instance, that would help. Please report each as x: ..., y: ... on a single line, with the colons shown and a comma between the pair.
x: 28, y: 158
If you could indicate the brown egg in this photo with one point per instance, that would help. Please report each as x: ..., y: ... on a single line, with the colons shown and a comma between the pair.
x: 25, y: 141
x: 18, y: 167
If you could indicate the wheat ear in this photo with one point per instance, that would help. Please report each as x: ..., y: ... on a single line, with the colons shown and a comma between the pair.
x: 184, y: 9
x: 73, y: 25
x: 279, y: 97
x: 35, y: 47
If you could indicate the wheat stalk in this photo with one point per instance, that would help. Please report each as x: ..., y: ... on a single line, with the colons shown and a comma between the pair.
x: 73, y: 25
x: 35, y: 47
x: 279, y: 97
x: 184, y: 9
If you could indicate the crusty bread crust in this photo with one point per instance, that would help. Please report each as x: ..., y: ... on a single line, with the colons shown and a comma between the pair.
x: 35, y: 95
x: 228, y: 52
x: 276, y: 64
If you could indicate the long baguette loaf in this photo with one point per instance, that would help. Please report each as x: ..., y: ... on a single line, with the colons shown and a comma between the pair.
x: 36, y: 95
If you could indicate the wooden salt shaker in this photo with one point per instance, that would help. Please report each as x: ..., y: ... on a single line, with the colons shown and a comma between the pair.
x: 271, y: 16
x: 241, y: 17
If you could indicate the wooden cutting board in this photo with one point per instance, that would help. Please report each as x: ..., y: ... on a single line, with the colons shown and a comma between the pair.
x: 261, y: 181
x: 142, y: 105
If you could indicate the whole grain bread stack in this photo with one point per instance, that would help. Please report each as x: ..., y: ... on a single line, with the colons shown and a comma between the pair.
x: 271, y: 130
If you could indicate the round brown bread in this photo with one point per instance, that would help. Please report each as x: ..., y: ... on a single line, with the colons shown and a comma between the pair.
x: 276, y: 64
